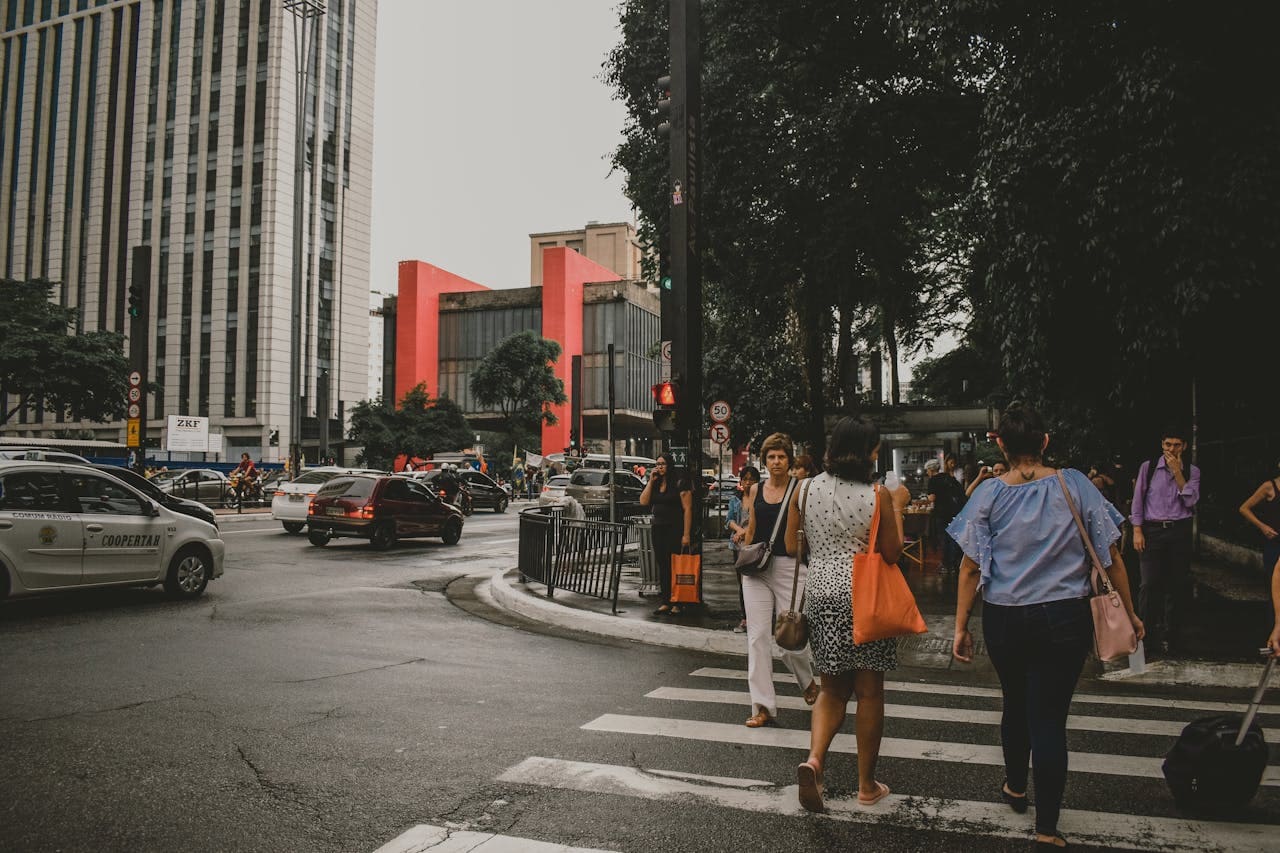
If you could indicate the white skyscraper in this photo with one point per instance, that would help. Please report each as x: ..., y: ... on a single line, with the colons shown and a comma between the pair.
x: 171, y: 123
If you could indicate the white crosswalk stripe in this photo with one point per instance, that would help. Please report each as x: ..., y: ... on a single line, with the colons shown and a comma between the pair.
x: 444, y: 839
x: 1096, y: 713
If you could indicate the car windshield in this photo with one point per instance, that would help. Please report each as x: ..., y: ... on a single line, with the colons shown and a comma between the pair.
x: 312, y: 477
x: 588, y: 477
x: 136, y: 480
x: 166, y: 476
x: 347, y: 487
x: 560, y: 480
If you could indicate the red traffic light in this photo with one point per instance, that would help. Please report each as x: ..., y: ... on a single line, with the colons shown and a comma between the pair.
x: 664, y: 394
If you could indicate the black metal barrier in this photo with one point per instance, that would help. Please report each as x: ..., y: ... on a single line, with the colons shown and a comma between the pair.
x: 579, y: 555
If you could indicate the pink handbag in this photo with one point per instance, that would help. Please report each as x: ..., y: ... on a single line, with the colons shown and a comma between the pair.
x: 1113, y: 634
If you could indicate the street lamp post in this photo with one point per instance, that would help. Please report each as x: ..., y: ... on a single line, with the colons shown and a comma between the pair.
x: 306, y: 17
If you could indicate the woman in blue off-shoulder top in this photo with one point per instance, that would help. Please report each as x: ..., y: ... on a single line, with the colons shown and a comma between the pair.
x: 1022, y: 549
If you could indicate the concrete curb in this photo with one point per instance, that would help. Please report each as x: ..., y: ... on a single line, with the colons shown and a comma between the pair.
x: 506, y: 594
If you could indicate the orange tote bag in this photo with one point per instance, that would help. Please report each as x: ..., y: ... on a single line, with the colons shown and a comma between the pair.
x: 883, y: 605
x: 685, y: 569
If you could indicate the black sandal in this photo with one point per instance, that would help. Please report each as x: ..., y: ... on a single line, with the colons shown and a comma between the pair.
x: 1018, y: 804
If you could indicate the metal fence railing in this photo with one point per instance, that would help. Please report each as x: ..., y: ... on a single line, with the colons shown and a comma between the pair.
x: 579, y: 555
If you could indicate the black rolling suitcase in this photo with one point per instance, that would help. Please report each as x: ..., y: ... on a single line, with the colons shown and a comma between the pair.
x: 1218, y: 762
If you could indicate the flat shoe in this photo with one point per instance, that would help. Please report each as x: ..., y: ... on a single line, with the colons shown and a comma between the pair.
x: 1049, y: 845
x: 759, y: 719
x: 675, y: 611
x: 663, y: 610
x: 810, y: 788
x: 1018, y: 804
x: 871, y: 801
x: 811, y: 693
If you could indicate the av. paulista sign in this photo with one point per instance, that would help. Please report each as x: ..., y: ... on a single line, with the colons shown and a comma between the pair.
x: 187, y: 433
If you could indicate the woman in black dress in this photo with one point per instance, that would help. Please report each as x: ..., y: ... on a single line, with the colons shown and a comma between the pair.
x: 671, y: 496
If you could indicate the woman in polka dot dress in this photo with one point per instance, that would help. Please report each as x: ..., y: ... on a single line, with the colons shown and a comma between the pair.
x: 838, y: 510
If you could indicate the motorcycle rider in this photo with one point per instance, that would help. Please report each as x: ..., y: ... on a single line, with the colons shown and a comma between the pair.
x: 245, y: 475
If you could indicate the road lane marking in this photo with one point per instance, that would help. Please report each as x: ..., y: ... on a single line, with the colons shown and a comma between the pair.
x: 994, y: 693
x: 447, y: 839
x: 1115, y: 725
x: 966, y: 817
x: 907, y: 748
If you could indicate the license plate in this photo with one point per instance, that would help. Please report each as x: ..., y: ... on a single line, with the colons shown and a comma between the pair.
x: 333, y: 510
x: 296, y: 498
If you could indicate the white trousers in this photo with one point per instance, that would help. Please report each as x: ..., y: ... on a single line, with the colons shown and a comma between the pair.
x: 766, y: 595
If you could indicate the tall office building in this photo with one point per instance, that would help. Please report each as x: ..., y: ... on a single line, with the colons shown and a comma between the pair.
x: 171, y: 123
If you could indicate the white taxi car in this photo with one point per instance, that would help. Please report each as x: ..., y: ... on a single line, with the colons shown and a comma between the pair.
x: 292, y: 498
x: 67, y: 526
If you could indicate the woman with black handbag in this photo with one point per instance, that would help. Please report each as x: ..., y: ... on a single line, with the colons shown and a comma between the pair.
x: 671, y: 496
x: 1025, y: 550
x: 767, y: 581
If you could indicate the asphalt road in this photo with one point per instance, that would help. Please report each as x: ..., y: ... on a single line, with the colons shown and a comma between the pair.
x: 329, y: 699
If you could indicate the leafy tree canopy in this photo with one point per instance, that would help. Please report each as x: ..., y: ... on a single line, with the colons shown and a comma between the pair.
x: 515, y: 378
x: 420, y: 426
x: 84, y: 376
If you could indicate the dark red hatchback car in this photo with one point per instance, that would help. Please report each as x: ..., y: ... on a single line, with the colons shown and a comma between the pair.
x: 382, y: 510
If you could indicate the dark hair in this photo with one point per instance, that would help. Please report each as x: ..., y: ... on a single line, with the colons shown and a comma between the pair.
x: 1174, y: 431
x: 675, y: 474
x: 749, y: 471
x: 1022, y: 432
x: 808, y: 463
x: 849, y: 452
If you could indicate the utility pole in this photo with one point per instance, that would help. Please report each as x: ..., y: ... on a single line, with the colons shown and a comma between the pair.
x: 306, y: 19
x: 685, y: 264
x: 139, y: 356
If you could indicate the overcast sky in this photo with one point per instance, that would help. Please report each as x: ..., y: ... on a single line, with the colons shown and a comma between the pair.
x: 491, y: 122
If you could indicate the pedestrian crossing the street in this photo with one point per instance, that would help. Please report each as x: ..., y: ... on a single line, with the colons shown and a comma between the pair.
x: 1137, y: 730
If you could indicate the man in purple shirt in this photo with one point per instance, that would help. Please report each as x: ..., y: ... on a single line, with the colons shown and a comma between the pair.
x: 1164, y: 499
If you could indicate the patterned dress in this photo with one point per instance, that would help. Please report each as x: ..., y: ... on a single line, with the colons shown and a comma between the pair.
x: 837, y: 524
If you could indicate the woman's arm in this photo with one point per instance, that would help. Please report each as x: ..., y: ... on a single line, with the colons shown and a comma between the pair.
x: 966, y: 596
x: 793, y: 522
x: 888, y: 539
x: 646, y: 497
x: 751, y: 516
x: 1246, y: 509
x: 1119, y: 576
x: 686, y: 501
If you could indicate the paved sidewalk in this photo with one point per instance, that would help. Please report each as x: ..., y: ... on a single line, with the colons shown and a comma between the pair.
x: 1223, y: 628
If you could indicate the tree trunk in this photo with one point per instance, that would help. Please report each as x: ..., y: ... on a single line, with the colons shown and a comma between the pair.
x: 891, y: 344
x: 846, y: 359
x: 815, y: 340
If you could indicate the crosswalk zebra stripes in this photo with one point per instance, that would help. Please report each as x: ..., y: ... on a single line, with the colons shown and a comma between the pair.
x: 1096, y: 713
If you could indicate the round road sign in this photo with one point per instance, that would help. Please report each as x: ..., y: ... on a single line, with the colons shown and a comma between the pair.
x: 135, y: 378
x: 719, y: 434
x: 134, y: 410
x: 135, y: 394
x: 720, y: 411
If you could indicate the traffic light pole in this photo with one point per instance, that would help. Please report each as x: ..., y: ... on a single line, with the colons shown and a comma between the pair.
x: 686, y: 268
x: 139, y: 352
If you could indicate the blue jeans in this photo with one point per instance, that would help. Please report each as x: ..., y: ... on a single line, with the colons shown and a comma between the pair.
x: 1038, y: 651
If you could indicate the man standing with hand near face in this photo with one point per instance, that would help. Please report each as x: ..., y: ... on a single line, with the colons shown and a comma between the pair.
x: 1164, y: 499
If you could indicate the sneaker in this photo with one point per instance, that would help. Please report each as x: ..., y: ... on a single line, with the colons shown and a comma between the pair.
x: 741, y: 627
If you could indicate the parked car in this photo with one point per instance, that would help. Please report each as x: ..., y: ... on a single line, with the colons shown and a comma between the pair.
x: 205, y: 485
x: 590, y: 487
x: 720, y: 493
x: 485, y: 493
x: 65, y: 526
x: 195, y: 509
x: 553, y: 490
x: 381, y: 509
x: 41, y: 454
x: 291, y: 499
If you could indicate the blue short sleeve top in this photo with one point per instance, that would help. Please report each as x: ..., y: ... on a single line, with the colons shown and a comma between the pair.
x: 1025, y: 541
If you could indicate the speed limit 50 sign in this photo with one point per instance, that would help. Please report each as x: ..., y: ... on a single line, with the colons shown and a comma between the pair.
x: 720, y: 411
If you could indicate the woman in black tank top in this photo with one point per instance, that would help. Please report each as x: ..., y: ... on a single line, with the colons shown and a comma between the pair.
x: 1262, y: 510
x: 670, y: 496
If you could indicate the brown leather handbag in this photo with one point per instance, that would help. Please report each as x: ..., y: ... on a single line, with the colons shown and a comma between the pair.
x: 792, y: 628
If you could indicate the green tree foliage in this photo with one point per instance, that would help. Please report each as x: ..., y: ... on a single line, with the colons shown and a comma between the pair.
x: 43, y: 365
x: 832, y: 151
x: 419, y: 426
x: 515, y: 379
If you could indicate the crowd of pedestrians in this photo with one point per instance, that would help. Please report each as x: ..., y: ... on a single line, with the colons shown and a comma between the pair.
x: 1013, y: 538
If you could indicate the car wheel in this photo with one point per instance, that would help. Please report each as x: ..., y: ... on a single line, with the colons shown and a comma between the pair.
x: 294, y: 526
x: 452, y: 532
x: 189, y: 573
x: 501, y: 506
x: 319, y: 538
x: 383, y: 536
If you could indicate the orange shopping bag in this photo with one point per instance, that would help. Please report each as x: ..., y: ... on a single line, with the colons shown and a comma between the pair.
x: 685, y: 571
x: 883, y: 605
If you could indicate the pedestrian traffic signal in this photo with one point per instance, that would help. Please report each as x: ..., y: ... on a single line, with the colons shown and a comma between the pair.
x: 664, y: 105
x: 664, y: 272
x: 137, y: 300
x: 664, y: 395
